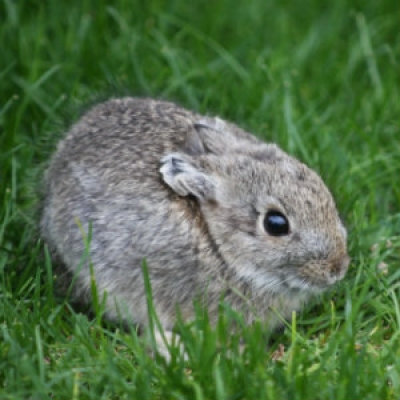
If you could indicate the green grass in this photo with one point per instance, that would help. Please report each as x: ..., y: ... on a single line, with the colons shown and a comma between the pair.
x: 319, y: 78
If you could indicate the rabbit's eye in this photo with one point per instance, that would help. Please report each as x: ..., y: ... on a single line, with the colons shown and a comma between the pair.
x: 276, y: 224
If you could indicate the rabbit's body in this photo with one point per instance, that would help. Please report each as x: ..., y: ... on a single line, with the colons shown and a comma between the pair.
x: 189, y: 194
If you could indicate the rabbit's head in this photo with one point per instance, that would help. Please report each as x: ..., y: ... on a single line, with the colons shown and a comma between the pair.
x: 272, y: 219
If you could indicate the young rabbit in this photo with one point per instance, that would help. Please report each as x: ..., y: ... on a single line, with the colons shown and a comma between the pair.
x: 213, y: 210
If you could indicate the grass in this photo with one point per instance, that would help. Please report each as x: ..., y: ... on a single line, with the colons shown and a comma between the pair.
x: 320, y: 79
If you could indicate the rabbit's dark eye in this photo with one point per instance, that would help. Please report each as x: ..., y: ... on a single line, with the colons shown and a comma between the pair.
x: 276, y: 224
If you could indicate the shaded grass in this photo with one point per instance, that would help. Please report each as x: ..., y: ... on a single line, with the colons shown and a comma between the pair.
x: 321, y: 80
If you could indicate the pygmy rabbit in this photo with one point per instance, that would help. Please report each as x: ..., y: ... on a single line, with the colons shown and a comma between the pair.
x: 214, y: 211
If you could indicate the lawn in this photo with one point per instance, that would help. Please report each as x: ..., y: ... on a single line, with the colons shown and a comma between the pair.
x: 321, y: 79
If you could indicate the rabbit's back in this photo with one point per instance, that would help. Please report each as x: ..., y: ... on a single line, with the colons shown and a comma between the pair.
x: 122, y: 134
x: 104, y: 178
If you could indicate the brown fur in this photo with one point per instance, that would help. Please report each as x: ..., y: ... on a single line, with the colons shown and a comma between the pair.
x: 189, y: 194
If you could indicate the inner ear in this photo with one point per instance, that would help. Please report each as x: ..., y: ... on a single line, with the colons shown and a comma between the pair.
x: 184, y: 177
x: 208, y: 136
x: 194, y: 144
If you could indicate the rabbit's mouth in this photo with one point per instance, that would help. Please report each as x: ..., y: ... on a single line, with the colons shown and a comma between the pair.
x: 317, y: 275
x: 310, y: 278
x: 296, y: 286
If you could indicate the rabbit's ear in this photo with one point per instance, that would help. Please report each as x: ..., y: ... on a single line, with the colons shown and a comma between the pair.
x: 194, y: 143
x: 209, y: 136
x: 185, y: 179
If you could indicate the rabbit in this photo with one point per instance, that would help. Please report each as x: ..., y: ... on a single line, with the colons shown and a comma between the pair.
x: 215, y: 212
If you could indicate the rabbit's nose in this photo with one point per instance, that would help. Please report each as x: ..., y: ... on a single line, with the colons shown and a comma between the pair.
x: 339, y: 267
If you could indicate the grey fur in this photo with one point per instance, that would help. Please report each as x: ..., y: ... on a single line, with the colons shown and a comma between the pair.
x: 189, y: 194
